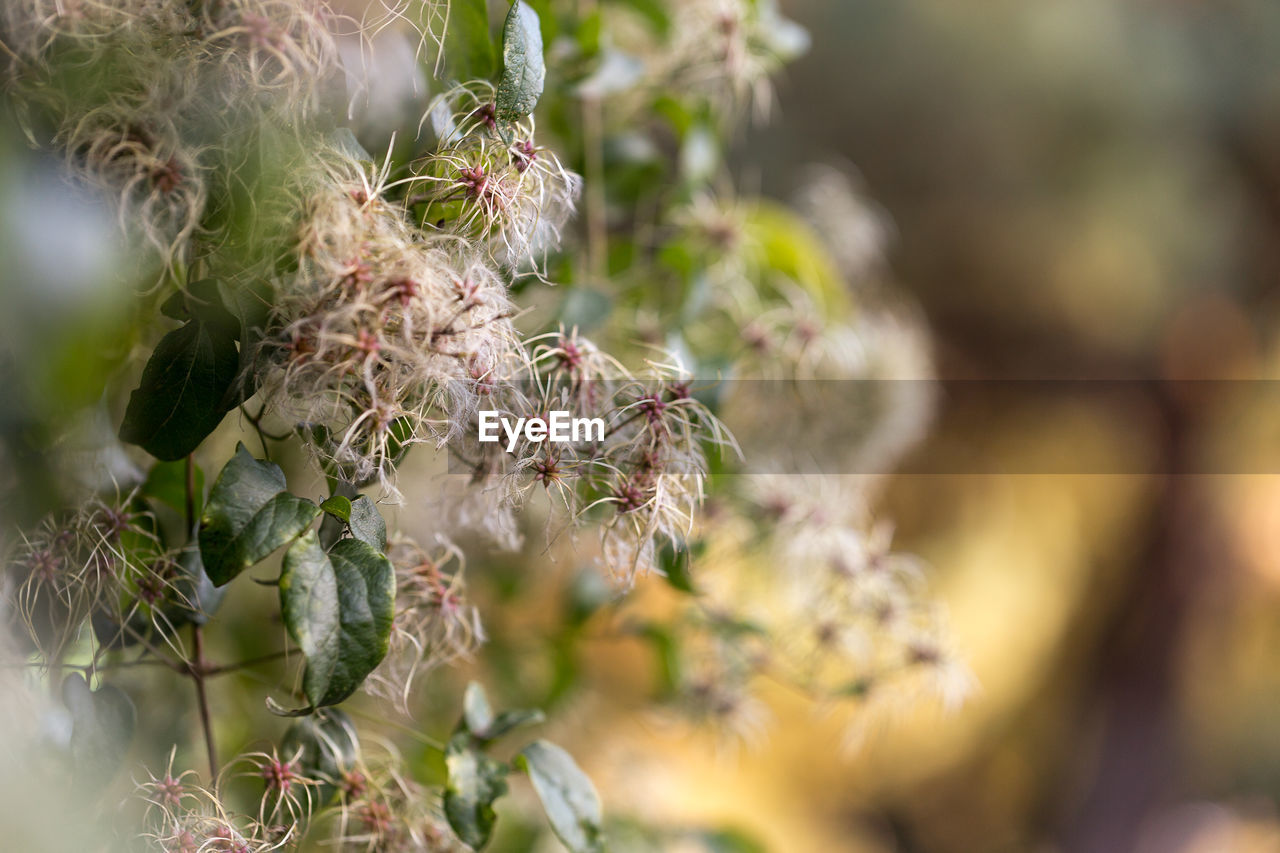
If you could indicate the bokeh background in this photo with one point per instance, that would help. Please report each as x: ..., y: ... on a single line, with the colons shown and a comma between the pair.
x: 1083, y: 190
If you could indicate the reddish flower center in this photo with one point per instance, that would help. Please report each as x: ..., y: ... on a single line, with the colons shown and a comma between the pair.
x: 279, y: 775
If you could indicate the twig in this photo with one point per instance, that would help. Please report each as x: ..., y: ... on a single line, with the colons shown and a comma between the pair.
x: 198, y: 671
x: 191, y: 495
x: 224, y: 669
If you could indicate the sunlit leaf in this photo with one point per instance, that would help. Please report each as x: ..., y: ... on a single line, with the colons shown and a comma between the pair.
x: 568, y: 797
x: 475, y: 781
x: 338, y: 506
x: 477, y: 715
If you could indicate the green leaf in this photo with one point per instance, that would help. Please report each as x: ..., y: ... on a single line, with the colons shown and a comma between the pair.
x: 508, y: 721
x: 338, y: 607
x: 175, y: 307
x: 251, y: 304
x: 475, y: 781
x: 367, y: 524
x: 344, y: 139
x: 654, y: 12
x: 103, y: 723
x: 587, y: 593
x: 666, y: 647
x: 568, y: 797
x: 309, y: 606
x: 675, y: 560
x: 326, y: 747
x: 167, y: 483
x: 337, y: 506
x: 280, y: 520
x: 198, y: 598
x: 468, y: 43
x: 180, y: 398
x: 483, y: 725
x: 729, y: 841
x: 203, y: 302
x: 523, y: 70
x: 249, y: 515
x: 477, y: 715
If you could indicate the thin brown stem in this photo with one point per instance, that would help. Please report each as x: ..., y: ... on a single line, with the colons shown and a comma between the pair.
x: 191, y: 494
x: 224, y: 669
x: 198, y: 672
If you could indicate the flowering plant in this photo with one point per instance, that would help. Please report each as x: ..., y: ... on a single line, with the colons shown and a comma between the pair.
x: 353, y: 315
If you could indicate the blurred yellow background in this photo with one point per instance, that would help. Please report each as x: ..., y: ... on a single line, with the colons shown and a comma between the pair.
x: 1082, y: 189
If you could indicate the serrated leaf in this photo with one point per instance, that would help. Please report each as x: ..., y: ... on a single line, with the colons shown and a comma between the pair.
x: 248, y: 515
x: 103, y: 723
x: 523, y: 70
x: 338, y: 607
x: 179, y: 400
x: 475, y: 782
x: 568, y: 797
x: 167, y: 482
x: 326, y: 747
x: 367, y: 524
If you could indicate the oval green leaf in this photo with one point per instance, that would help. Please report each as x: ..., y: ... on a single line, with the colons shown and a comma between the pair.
x: 367, y: 524
x: 179, y: 400
x: 523, y: 70
x: 338, y: 607
x: 248, y: 516
x: 568, y: 797
x: 475, y: 781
